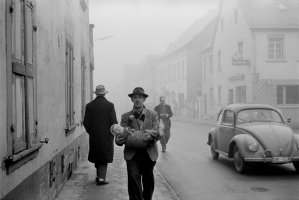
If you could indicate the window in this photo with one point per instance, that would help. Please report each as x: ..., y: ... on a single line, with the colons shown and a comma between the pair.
x: 236, y: 17
x: 211, y: 63
x: 69, y: 64
x: 241, y: 94
x: 204, y: 68
x: 222, y: 24
x: 240, y: 50
x: 184, y: 69
x: 21, y: 81
x: 219, y: 95
x: 228, y: 117
x: 211, y: 96
x: 230, y: 96
x: 288, y: 94
x: 83, y: 68
x: 275, y: 49
x: 91, y: 81
x: 219, y: 60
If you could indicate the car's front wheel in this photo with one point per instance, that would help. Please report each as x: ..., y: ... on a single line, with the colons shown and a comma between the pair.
x: 296, y: 166
x: 239, y: 163
x: 215, y: 155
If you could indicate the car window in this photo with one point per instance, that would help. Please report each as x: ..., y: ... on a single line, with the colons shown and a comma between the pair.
x: 219, y: 119
x: 258, y: 115
x: 228, y: 117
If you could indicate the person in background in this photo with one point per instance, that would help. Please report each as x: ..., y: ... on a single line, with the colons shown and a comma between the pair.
x: 140, y: 161
x: 99, y: 116
x: 164, y: 114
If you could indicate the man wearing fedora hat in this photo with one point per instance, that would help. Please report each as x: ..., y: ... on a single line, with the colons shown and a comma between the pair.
x: 140, y: 161
x: 99, y: 117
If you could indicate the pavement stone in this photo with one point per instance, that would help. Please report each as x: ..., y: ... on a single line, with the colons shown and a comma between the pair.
x: 82, y: 183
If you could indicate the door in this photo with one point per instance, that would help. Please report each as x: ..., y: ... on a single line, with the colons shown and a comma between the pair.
x: 226, y: 130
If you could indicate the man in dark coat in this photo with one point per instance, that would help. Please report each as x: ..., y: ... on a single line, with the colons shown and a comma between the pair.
x: 140, y: 162
x: 164, y: 113
x: 99, y: 117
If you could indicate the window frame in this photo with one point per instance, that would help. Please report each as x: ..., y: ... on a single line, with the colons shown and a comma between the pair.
x: 83, y: 87
x: 284, y: 94
x: 212, y: 96
x: 224, y: 115
x: 69, y: 88
x: 18, y: 153
x: 282, y: 50
x: 242, y: 99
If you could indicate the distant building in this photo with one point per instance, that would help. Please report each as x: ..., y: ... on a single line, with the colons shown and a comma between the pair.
x: 255, y: 56
x: 141, y: 75
x: 178, y: 71
x: 46, y: 69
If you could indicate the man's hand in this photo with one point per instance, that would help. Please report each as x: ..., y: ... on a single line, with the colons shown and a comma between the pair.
x: 147, y: 137
x: 119, y: 140
x: 164, y: 115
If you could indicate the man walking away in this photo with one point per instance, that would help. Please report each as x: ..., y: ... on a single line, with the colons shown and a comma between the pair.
x: 164, y: 113
x: 99, y: 117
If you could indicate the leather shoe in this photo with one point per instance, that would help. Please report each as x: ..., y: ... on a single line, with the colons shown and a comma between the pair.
x: 100, y: 182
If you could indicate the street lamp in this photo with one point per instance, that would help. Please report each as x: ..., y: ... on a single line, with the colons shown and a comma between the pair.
x: 104, y: 38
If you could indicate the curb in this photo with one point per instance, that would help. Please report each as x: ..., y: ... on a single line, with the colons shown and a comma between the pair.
x: 167, y: 192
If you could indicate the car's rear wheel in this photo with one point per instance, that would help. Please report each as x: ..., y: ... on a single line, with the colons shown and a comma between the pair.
x: 215, y: 155
x: 239, y: 163
x: 296, y: 166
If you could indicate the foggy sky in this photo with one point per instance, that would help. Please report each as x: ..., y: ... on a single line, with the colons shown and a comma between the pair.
x: 139, y: 28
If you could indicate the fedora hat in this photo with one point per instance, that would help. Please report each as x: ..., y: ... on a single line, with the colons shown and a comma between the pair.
x: 100, y: 89
x: 139, y: 91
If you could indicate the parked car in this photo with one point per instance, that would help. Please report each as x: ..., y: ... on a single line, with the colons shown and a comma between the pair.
x: 249, y: 133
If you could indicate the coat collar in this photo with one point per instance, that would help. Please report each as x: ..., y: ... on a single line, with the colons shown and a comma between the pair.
x: 145, y: 112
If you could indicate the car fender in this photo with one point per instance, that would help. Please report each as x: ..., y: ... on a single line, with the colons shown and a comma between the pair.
x: 211, y: 136
x: 241, y: 141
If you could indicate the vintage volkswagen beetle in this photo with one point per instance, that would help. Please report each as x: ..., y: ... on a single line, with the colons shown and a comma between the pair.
x: 253, y: 133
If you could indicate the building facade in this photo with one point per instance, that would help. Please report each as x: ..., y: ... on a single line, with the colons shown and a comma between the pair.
x: 46, y: 78
x: 254, y: 56
x: 179, y: 71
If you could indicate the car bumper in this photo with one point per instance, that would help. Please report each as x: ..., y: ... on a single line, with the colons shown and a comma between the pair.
x: 273, y: 159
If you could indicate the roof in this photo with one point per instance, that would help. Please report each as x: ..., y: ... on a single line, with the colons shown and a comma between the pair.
x: 238, y: 107
x: 270, y: 13
x: 197, y: 27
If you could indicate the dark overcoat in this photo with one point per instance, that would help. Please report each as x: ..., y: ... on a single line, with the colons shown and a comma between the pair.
x: 166, y: 120
x: 99, y: 117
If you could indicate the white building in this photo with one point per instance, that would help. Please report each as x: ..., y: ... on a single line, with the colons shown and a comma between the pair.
x: 178, y: 71
x: 255, y: 56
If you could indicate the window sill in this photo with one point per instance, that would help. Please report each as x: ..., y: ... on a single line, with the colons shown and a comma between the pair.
x: 276, y: 61
x: 71, y: 129
x: 17, y: 160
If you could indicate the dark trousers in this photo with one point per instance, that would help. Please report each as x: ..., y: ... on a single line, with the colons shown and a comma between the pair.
x: 164, y: 139
x: 101, y: 170
x: 141, y: 182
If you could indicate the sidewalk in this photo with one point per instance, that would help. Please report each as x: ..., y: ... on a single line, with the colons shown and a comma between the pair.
x: 82, y: 185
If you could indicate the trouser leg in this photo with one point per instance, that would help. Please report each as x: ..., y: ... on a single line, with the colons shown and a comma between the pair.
x: 134, y: 180
x: 148, y: 179
x: 163, y: 142
x: 167, y: 134
x: 101, y: 170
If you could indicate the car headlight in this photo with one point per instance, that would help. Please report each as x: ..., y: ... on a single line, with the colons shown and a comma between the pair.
x: 253, y: 146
